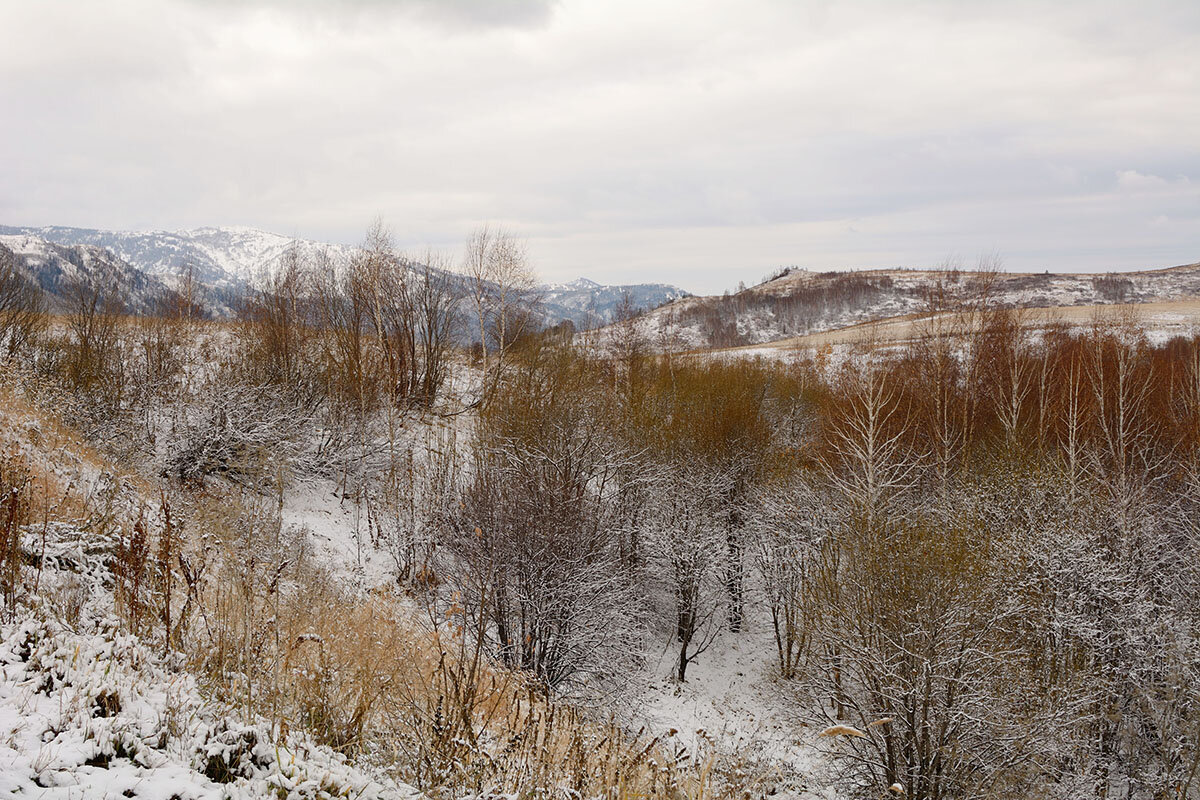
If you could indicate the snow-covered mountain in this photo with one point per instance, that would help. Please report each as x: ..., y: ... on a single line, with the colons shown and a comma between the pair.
x: 59, y: 268
x: 230, y: 259
x: 587, y: 303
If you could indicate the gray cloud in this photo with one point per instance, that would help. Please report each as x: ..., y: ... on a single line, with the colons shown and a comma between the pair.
x: 695, y: 142
x: 447, y: 14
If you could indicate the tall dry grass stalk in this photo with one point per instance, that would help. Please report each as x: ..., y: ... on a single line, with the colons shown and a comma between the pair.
x: 15, y: 512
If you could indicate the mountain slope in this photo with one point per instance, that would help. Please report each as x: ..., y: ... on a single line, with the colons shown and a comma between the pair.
x: 58, y: 269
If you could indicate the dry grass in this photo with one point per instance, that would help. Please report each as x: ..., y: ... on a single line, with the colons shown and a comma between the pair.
x: 57, y: 459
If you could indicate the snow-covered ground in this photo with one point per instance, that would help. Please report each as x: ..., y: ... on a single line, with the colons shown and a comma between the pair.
x: 337, y: 529
x: 733, y: 698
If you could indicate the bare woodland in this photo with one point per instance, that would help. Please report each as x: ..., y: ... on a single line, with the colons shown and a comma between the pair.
x: 978, y: 555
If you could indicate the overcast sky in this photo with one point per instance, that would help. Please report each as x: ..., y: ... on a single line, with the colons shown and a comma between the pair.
x: 698, y: 143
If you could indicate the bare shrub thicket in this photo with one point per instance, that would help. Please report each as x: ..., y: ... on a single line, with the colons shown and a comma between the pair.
x: 793, y: 528
x: 910, y: 631
x: 535, y: 547
x: 94, y: 365
x: 388, y: 323
x: 245, y: 433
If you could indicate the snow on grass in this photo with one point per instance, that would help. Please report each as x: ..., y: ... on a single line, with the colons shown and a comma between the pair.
x: 87, y: 711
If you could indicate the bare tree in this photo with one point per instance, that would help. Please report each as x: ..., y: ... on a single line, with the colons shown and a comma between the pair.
x: 1007, y: 370
x: 628, y: 343
x: 22, y: 307
x: 437, y: 301
x: 868, y: 464
x: 350, y: 372
x: 689, y: 545
x: 278, y: 331
x: 388, y: 283
x: 503, y: 294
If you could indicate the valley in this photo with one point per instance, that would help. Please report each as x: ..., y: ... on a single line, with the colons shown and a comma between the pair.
x: 383, y: 557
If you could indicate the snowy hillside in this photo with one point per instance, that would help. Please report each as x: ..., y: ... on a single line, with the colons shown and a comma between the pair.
x: 801, y: 302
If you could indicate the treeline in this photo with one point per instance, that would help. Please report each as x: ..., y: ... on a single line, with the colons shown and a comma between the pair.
x: 804, y: 308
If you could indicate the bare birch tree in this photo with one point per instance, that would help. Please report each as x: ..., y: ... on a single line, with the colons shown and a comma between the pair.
x: 503, y: 294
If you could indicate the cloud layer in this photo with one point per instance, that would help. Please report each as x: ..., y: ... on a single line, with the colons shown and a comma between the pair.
x: 700, y: 143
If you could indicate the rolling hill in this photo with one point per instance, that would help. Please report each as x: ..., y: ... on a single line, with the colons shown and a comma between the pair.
x: 799, y: 303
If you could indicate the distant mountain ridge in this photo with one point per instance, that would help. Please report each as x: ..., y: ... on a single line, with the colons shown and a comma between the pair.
x: 226, y: 261
x: 587, y: 303
x: 230, y: 257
